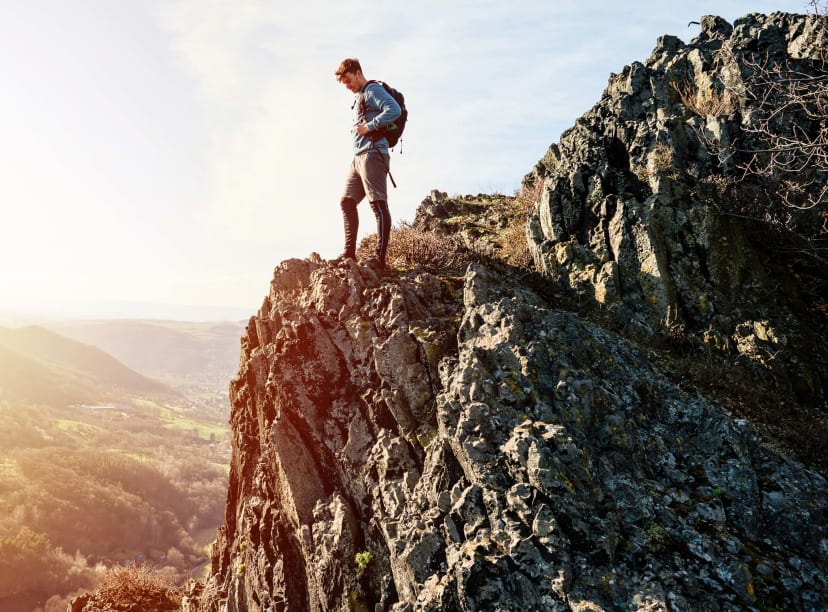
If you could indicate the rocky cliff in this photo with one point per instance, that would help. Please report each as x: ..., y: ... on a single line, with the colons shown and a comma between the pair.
x: 652, y: 205
x: 493, y: 438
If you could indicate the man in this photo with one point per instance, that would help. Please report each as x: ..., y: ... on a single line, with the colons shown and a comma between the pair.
x: 374, y: 108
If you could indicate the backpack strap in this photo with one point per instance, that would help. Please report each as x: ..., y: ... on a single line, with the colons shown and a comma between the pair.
x: 362, y: 108
x: 374, y: 140
x: 380, y: 132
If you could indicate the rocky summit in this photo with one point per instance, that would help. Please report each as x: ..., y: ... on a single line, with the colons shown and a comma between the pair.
x: 653, y: 204
x: 506, y: 437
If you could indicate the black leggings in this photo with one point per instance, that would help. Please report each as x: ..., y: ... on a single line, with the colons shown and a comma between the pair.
x: 350, y: 218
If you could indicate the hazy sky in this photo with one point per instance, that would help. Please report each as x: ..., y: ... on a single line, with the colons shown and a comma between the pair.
x: 175, y: 151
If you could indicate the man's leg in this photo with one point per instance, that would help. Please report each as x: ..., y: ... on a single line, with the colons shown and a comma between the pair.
x: 350, y: 219
x: 376, y: 170
x: 354, y: 192
x: 383, y: 215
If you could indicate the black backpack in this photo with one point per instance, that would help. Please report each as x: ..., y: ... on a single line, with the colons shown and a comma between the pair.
x: 393, y: 131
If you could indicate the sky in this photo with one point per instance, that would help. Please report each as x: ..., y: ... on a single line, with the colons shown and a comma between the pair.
x: 162, y: 155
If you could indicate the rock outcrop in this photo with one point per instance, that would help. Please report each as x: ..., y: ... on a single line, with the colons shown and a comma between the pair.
x: 490, y: 452
x: 461, y: 441
x: 640, y: 209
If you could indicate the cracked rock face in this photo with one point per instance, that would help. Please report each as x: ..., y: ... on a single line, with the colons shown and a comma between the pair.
x: 632, y: 215
x: 459, y: 442
x: 489, y: 452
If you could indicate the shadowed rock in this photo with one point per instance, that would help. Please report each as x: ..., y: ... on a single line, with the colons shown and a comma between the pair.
x: 634, y: 216
x: 491, y: 451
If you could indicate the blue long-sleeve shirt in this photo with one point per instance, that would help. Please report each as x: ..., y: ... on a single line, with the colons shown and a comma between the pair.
x: 380, y: 110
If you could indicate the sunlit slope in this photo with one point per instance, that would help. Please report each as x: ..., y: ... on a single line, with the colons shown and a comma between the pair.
x: 171, y: 348
x: 26, y: 380
x: 39, y: 366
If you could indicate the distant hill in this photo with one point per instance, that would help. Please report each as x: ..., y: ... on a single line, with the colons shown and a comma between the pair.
x: 163, y: 348
x: 26, y: 380
x: 38, y: 365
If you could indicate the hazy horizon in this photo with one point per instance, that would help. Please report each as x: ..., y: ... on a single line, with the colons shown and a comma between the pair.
x: 114, y: 310
x: 171, y: 152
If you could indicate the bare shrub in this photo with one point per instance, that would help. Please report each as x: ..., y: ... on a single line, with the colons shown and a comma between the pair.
x: 705, y: 102
x: 528, y: 195
x: 778, y: 151
x: 409, y: 247
x: 789, y: 122
x: 819, y: 7
x: 138, y: 587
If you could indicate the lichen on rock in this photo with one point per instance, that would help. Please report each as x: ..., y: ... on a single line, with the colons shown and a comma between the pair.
x: 641, y: 212
x: 487, y: 448
x: 548, y: 465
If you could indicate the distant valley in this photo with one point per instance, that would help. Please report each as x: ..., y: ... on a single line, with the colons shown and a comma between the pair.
x: 114, y: 442
x: 40, y: 366
x: 196, y: 359
x: 162, y: 349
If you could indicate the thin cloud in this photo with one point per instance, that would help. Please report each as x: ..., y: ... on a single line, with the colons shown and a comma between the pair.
x: 179, y: 149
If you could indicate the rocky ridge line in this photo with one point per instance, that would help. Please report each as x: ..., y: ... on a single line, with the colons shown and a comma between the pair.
x: 490, y: 452
x: 422, y: 442
x: 639, y: 215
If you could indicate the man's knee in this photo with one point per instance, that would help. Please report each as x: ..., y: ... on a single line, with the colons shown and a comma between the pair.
x: 380, y: 207
x: 348, y: 204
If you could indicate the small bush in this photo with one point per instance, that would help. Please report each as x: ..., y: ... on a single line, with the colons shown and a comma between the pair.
x: 657, y: 536
x: 138, y: 587
x: 662, y: 157
x: 363, y: 559
x: 409, y: 247
x: 705, y: 102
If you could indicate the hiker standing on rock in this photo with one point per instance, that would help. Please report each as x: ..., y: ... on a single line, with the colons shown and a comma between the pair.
x: 374, y: 109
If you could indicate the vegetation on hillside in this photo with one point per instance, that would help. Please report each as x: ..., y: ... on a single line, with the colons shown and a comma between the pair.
x: 39, y: 366
x: 83, y: 489
x: 468, y: 228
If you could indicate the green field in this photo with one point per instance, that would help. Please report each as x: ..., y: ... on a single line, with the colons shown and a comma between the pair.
x: 177, y: 418
x: 82, y: 431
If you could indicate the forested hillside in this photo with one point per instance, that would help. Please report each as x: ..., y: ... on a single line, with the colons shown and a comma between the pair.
x: 39, y: 366
x: 99, y: 467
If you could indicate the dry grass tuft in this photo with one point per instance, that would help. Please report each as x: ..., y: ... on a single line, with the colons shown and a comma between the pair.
x: 411, y: 248
x: 472, y: 228
x: 515, y: 243
x: 137, y: 587
x: 515, y: 247
x: 705, y: 102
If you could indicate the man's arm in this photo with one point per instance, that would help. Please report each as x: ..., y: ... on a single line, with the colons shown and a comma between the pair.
x: 381, y: 99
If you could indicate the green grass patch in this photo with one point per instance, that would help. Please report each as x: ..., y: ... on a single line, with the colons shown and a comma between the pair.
x: 203, y: 430
x: 174, y: 418
x: 78, y: 429
x: 139, y: 457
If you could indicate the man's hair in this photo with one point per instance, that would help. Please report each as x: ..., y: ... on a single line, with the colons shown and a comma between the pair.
x: 350, y: 64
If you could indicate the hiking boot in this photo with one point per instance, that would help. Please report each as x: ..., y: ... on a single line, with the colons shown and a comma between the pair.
x: 342, y: 258
x: 375, y: 263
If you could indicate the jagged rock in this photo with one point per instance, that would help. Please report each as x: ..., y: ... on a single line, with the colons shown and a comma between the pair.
x: 129, y: 599
x: 630, y: 218
x: 78, y: 603
x: 547, y: 465
x: 426, y: 442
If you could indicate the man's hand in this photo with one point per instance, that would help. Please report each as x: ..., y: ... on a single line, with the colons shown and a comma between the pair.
x: 362, y: 128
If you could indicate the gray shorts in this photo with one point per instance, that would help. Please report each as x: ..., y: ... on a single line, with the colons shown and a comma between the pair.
x: 366, y: 176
